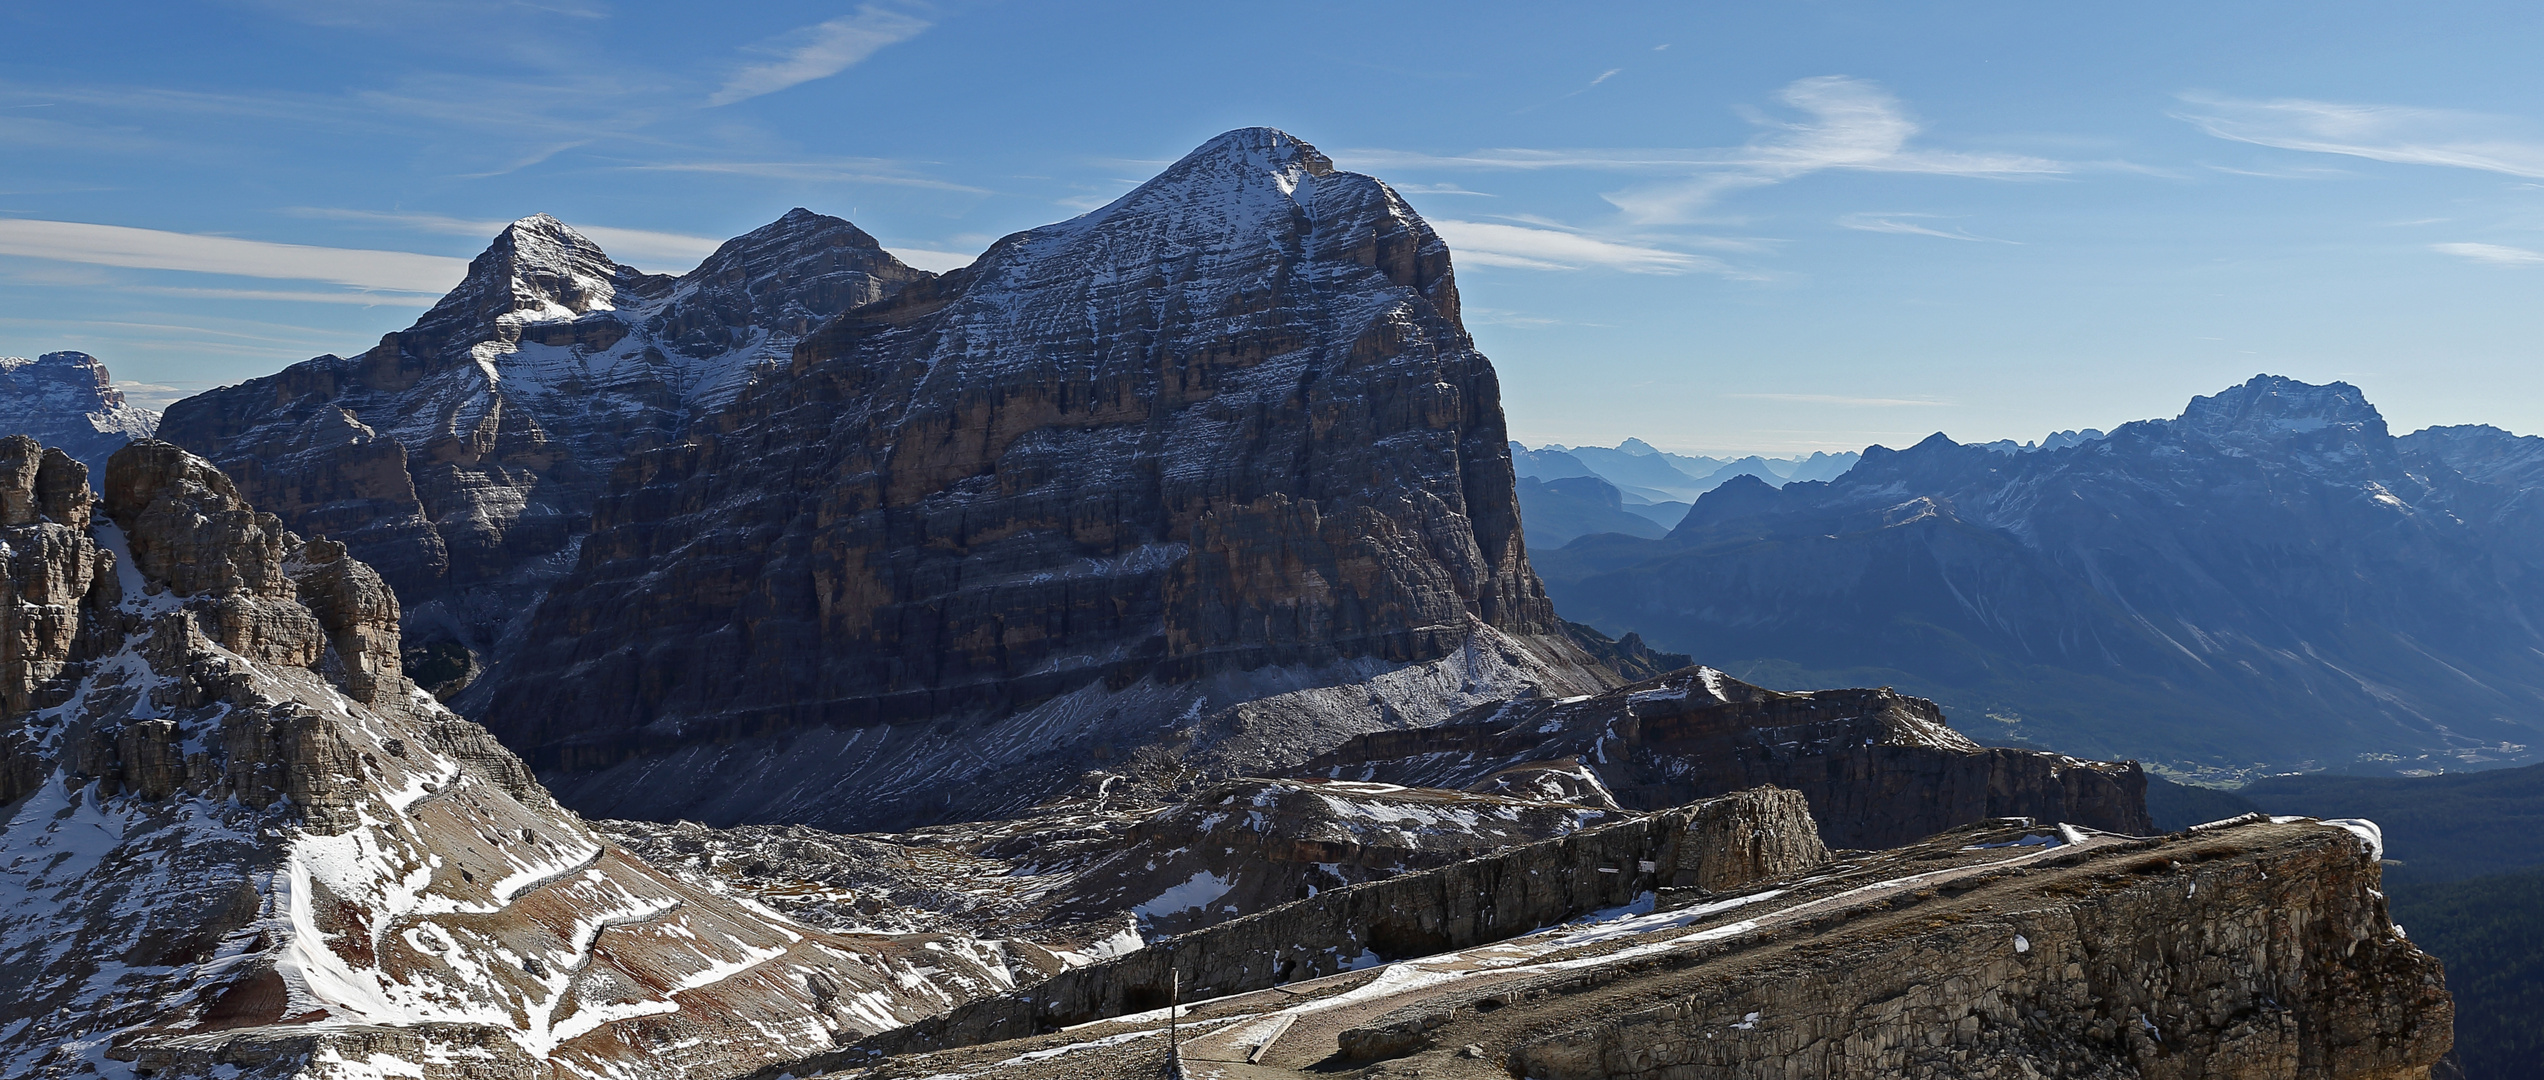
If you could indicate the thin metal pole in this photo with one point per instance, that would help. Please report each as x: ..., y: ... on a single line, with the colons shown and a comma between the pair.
x: 1174, y: 1004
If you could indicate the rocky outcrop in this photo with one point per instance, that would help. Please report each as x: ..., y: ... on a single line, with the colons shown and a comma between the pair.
x: 1473, y: 902
x: 67, y: 400
x: 2003, y: 949
x: 462, y: 456
x: 1880, y: 769
x: 1095, y: 873
x: 2269, y: 582
x: 1222, y: 439
x: 236, y: 841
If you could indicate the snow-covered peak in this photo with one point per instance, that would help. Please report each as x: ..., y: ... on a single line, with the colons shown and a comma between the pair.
x: 1250, y: 221
x: 67, y: 399
x: 2274, y: 405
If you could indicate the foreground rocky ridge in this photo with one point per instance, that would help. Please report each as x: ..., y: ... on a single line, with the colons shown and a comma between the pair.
x: 67, y: 399
x: 462, y: 456
x: 2003, y: 949
x: 240, y: 843
x: 1221, y: 441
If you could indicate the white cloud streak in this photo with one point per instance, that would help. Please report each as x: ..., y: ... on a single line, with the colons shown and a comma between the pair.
x: 934, y: 261
x: 1491, y: 244
x: 819, y: 52
x: 2395, y: 133
x: 152, y: 249
x: 1847, y: 124
x: 1890, y: 223
x: 2494, y: 254
x: 643, y: 247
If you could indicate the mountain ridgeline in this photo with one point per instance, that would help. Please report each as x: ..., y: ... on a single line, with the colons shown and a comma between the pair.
x: 462, y: 456
x: 2269, y: 581
x: 1158, y: 581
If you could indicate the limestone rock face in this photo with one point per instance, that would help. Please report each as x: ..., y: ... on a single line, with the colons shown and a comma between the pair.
x: 461, y: 456
x: 67, y: 400
x: 1471, y: 902
x: 235, y: 841
x: 1879, y: 769
x: 1229, y: 425
x: 1992, y: 951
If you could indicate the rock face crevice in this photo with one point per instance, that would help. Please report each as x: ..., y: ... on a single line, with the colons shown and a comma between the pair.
x: 1229, y: 423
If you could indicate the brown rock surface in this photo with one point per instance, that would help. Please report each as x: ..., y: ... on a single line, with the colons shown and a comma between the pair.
x: 1474, y: 902
x: 1879, y: 768
x: 1992, y: 951
x: 1222, y: 439
x: 236, y: 842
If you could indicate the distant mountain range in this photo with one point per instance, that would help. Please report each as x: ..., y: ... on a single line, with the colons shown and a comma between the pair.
x: 1635, y: 488
x: 2269, y: 582
x: 67, y: 399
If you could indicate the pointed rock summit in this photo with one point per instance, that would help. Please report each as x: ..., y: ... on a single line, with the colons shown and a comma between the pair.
x: 462, y: 455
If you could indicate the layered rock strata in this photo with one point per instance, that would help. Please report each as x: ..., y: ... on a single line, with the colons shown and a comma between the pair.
x: 462, y: 456
x: 238, y: 842
x: 2004, y: 949
x: 67, y: 399
x: 1220, y: 440
x: 1721, y: 842
x: 1880, y: 769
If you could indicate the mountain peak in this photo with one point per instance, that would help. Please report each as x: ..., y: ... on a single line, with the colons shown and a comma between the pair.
x: 1265, y: 146
x: 2268, y: 405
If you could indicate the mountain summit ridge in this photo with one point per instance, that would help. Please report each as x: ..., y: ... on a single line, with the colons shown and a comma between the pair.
x: 1221, y: 439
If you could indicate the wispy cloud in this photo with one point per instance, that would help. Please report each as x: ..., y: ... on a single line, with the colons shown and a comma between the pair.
x: 152, y: 249
x: 2494, y: 254
x: 645, y: 247
x: 1439, y: 189
x: 818, y: 52
x: 1842, y: 399
x: 358, y: 299
x: 1891, y: 223
x: 1491, y: 244
x: 1846, y: 124
x: 2396, y: 133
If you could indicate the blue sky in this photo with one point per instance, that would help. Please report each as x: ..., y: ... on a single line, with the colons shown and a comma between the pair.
x: 1769, y: 227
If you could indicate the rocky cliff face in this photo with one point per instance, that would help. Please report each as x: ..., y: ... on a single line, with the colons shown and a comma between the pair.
x: 2256, y: 949
x: 1221, y: 440
x: 238, y: 842
x: 67, y: 399
x: 1724, y: 843
x: 2270, y: 579
x: 462, y: 456
x: 1879, y: 769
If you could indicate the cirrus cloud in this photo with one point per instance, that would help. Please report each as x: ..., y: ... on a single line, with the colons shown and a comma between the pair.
x: 818, y: 52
